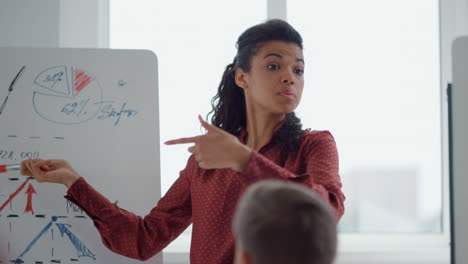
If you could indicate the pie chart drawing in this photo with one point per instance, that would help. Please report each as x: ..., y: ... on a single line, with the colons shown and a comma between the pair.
x: 66, y: 95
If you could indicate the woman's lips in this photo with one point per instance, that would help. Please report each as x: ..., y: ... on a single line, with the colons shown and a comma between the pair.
x: 288, y: 94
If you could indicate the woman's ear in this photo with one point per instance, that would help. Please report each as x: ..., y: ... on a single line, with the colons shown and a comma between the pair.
x: 240, y: 78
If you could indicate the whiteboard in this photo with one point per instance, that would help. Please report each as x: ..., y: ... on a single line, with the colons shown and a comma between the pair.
x: 459, y: 152
x: 96, y: 108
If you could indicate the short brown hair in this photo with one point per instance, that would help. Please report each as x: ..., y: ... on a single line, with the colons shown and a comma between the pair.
x: 281, y: 222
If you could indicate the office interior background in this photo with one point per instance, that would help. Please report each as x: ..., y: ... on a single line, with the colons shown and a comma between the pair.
x: 376, y: 74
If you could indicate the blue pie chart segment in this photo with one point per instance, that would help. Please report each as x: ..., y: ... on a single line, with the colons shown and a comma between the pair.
x: 54, y: 79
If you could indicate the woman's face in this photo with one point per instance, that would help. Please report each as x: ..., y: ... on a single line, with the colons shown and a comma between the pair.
x: 275, y: 81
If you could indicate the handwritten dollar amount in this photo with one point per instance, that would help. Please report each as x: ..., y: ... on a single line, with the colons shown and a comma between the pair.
x: 13, y: 155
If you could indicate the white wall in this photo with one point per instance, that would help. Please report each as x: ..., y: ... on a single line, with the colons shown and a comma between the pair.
x: 84, y: 24
x: 54, y: 23
x: 29, y: 23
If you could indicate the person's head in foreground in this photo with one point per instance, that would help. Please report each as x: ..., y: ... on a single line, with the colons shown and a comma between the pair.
x: 277, y: 222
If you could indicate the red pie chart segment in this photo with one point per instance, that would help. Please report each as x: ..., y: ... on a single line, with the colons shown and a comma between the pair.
x: 81, y: 80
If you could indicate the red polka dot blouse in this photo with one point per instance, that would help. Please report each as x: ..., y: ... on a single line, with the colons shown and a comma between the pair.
x: 208, y: 198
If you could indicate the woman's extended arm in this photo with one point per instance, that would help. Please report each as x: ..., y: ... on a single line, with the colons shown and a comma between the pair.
x: 121, y: 231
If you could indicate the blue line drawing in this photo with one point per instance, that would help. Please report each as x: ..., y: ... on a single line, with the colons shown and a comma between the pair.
x: 69, y: 96
x: 67, y: 106
x: 109, y: 111
x: 46, y: 228
x: 64, y: 121
x: 55, y: 79
x: 81, y: 249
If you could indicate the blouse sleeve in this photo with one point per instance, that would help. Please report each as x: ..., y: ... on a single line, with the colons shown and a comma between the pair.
x: 319, y: 157
x: 128, y: 234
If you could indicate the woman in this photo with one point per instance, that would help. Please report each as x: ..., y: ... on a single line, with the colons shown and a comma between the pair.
x: 254, y: 135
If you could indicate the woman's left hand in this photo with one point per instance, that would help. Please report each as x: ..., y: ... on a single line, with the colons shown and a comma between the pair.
x: 217, y: 149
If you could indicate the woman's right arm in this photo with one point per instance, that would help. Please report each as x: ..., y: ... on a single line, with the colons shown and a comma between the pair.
x: 53, y: 171
x: 124, y: 232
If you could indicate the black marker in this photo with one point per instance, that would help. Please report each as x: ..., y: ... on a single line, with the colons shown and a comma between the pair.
x: 10, y: 88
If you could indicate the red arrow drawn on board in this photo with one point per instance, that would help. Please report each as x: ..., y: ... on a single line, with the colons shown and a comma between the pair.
x: 13, y: 195
x: 30, y: 191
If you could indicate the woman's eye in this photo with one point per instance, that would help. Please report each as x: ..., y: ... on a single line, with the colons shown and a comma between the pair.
x: 273, y: 66
x: 299, y: 71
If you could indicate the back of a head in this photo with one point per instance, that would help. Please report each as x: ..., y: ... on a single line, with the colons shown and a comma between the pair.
x: 277, y: 222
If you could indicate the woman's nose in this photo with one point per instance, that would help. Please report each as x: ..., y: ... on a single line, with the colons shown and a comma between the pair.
x: 287, y: 77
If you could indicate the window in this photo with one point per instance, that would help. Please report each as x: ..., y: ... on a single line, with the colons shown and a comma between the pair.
x: 373, y: 79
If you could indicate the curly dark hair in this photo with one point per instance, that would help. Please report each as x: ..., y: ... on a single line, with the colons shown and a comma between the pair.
x: 228, y: 105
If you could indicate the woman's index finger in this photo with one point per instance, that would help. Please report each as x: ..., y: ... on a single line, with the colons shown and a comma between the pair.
x: 182, y: 140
